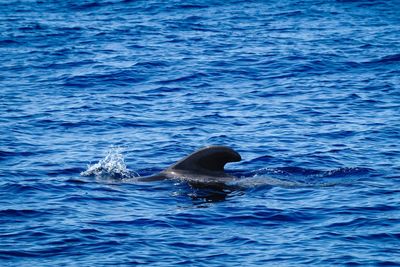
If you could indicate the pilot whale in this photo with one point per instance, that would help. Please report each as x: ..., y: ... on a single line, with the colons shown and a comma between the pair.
x: 204, y: 166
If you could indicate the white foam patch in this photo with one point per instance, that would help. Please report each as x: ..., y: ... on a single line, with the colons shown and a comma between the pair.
x: 111, y: 166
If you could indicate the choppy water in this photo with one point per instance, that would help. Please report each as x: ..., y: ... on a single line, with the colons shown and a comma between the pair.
x: 307, y: 91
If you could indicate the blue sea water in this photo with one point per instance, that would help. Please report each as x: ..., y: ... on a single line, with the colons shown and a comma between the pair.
x: 96, y: 93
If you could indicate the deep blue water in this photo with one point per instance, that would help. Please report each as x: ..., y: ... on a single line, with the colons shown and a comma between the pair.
x: 94, y: 93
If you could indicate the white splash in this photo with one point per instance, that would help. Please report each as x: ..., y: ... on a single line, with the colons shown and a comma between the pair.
x: 112, y: 166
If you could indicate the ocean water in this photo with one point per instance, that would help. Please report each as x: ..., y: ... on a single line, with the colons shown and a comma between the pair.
x: 94, y: 94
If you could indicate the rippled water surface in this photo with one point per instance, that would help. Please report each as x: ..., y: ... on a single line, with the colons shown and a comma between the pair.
x: 96, y: 93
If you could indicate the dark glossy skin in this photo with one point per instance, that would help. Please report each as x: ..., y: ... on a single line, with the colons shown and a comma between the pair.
x: 205, y: 166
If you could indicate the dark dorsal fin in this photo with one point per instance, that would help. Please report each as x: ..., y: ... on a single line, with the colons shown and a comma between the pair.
x: 208, y: 159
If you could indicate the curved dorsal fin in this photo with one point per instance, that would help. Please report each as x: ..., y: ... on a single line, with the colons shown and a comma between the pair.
x: 208, y: 159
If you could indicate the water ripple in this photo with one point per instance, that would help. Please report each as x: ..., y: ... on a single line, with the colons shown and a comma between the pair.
x: 307, y: 92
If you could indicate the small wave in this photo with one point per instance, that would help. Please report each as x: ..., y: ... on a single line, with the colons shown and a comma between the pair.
x: 119, y: 77
x: 390, y: 58
x: 88, y: 5
x: 299, y: 177
x: 7, y: 154
x: 112, y: 166
x: 8, y: 42
x: 182, y: 78
x: 298, y: 171
x: 21, y: 213
x: 346, y: 172
x: 16, y: 188
x: 262, y: 181
x: 395, y: 58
